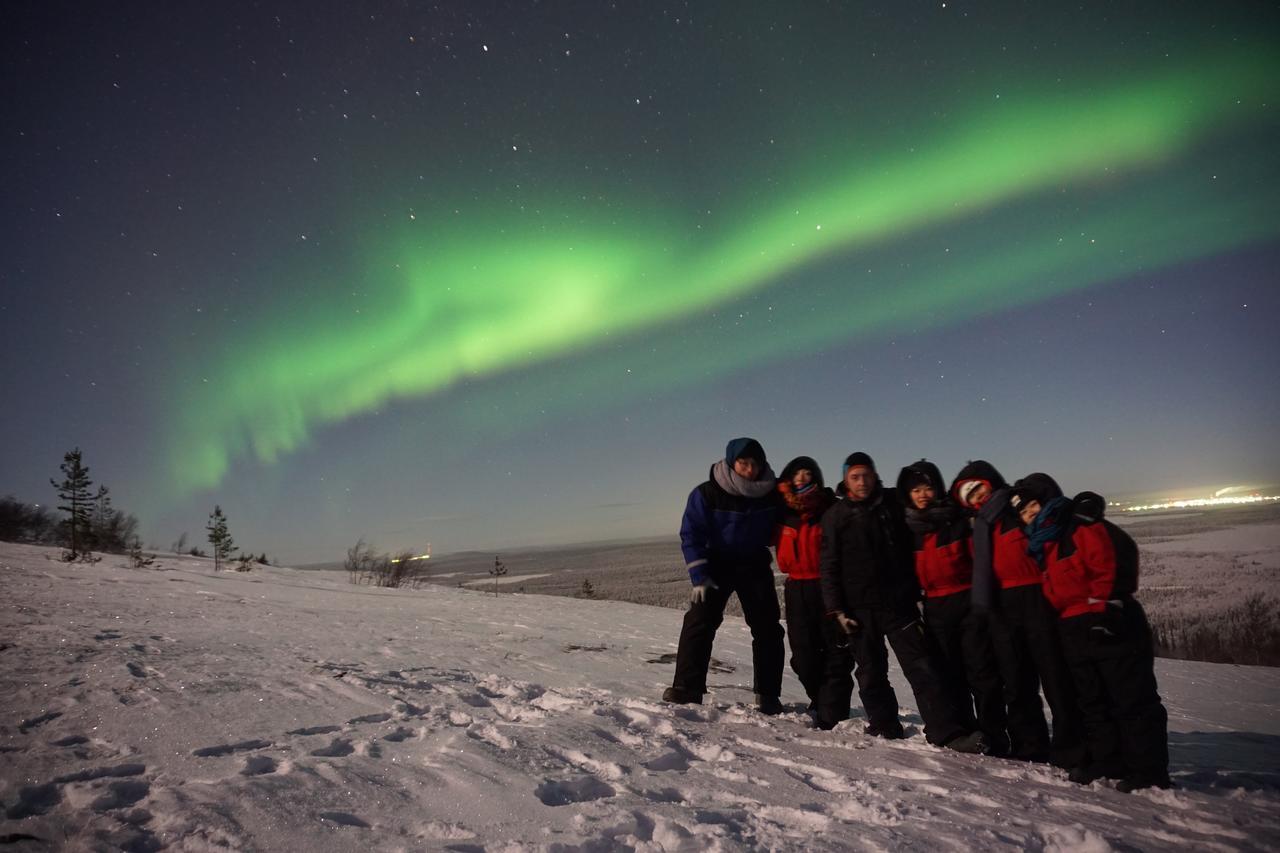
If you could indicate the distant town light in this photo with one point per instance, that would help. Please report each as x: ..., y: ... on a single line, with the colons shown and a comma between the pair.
x: 420, y: 557
x: 1202, y: 502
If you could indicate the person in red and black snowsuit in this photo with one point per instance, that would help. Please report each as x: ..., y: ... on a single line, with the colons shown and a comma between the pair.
x: 1090, y: 576
x: 1006, y: 585
x: 799, y: 541
x: 725, y: 535
x: 944, y: 566
x: 869, y: 589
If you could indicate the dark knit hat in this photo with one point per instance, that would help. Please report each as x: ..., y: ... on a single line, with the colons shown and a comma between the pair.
x: 802, y: 463
x: 911, y: 477
x: 749, y: 448
x: 853, y: 460
x: 1033, y: 487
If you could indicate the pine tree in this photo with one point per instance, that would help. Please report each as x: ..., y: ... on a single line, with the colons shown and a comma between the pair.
x: 219, y: 538
x: 497, y: 571
x: 73, y: 491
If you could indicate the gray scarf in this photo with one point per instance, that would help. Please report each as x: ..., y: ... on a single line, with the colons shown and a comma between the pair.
x: 735, y: 484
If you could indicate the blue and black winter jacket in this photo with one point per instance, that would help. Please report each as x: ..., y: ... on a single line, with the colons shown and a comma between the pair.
x: 722, y: 532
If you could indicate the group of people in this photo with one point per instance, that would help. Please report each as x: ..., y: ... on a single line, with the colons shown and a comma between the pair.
x: 988, y: 593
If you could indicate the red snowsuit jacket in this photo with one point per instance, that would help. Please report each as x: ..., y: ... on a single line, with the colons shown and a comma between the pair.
x: 1094, y: 563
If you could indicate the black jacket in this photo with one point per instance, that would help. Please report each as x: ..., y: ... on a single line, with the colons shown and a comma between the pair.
x: 868, y: 557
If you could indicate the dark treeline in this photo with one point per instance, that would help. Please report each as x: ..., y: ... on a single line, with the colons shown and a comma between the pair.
x: 109, y: 529
x: 84, y: 521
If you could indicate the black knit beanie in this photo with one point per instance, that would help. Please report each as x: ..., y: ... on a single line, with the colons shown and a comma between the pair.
x: 748, y: 448
x: 853, y: 460
x: 1033, y: 487
x: 802, y: 463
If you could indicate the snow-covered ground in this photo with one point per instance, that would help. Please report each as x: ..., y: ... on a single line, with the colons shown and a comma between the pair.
x: 287, y: 710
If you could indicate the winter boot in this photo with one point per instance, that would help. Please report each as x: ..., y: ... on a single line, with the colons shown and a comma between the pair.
x: 768, y: 705
x: 680, y: 696
x: 1087, y: 774
x: 997, y: 744
x: 971, y: 744
x: 1129, y: 784
x: 891, y: 731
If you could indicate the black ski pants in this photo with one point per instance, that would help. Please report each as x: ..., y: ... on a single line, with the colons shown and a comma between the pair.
x: 1029, y: 652
x: 906, y: 634
x: 968, y: 663
x: 759, y: 599
x: 809, y: 643
x: 1113, y: 667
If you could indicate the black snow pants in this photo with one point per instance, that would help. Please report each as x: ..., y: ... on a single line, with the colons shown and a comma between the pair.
x: 806, y: 617
x: 1029, y: 652
x: 968, y: 663
x: 759, y: 599
x: 906, y: 634
x: 1113, y: 667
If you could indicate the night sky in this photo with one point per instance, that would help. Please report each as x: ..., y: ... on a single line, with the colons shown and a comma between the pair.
x: 487, y: 274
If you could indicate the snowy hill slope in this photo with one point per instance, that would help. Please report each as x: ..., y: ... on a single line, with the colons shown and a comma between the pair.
x: 286, y: 710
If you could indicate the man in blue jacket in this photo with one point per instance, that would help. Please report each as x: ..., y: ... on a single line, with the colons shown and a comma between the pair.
x: 725, y: 535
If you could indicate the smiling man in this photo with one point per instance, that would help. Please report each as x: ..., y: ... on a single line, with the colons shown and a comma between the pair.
x: 870, y: 591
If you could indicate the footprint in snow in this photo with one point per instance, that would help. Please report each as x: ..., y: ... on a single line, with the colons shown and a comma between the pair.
x: 259, y: 765
x: 121, y: 795
x: 338, y: 748
x: 675, y: 760
x: 566, y: 792
x: 818, y: 778
x: 716, y: 664
x: 369, y: 718
x: 314, y: 730
x: 113, y: 771
x: 34, y: 800
x: 228, y: 748
x: 36, y: 722
x: 400, y: 734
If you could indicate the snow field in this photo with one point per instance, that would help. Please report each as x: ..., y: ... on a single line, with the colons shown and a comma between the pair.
x: 173, y: 708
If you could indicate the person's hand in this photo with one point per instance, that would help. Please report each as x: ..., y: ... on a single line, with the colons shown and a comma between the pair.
x: 848, y: 625
x: 1110, y: 624
x: 699, y: 593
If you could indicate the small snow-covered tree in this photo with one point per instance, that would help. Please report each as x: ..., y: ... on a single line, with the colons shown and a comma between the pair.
x: 77, y: 502
x: 139, y: 559
x: 219, y: 537
x: 497, y: 571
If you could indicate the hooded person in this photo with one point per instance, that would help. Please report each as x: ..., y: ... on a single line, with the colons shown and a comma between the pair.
x: 1007, y: 587
x: 942, y: 538
x: 798, y: 541
x: 725, y: 535
x: 1090, y: 576
x: 870, y: 591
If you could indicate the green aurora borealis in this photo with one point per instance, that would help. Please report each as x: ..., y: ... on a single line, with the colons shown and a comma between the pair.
x: 1087, y: 182
x: 481, y: 275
